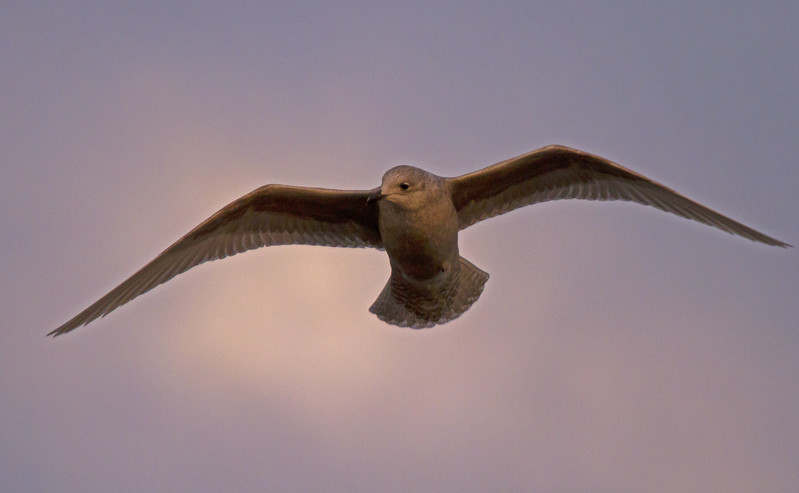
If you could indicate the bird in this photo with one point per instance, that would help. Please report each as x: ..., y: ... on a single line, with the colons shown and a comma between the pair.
x: 415, y: 217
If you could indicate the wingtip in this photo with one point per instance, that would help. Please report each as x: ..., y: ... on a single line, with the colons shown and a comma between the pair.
x: 55, y: 333
x: 67, y: 327
x: 771, y: 241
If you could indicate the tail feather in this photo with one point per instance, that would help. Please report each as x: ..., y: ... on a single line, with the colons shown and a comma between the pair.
x: 406, y: 305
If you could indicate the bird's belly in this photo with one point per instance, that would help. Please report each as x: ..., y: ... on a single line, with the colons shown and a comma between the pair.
x: 416, y: 265
x: 422, y: 257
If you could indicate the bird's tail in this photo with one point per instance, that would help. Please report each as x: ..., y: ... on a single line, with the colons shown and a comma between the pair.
x: 407, y: 306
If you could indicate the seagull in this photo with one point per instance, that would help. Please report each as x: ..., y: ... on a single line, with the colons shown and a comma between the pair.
x: 415, y: 216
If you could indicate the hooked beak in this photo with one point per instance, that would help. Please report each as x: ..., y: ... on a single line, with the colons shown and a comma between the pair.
x: 374, y: 195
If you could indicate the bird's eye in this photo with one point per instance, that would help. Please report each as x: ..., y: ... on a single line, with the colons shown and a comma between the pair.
x: 405, y: 185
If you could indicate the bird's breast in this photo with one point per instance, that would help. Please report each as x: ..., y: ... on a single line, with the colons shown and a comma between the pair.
x: 423, y: 243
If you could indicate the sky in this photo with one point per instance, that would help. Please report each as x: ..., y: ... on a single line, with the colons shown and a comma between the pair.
x: 615, y: 347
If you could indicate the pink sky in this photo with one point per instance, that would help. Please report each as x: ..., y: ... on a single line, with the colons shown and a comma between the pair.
x: 615, y: 347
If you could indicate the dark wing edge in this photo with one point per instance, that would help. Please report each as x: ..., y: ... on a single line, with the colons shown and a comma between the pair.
x: 558, y: 172
x: 270, y: 215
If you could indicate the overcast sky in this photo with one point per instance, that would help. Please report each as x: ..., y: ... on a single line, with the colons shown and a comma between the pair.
x: 615, y: 347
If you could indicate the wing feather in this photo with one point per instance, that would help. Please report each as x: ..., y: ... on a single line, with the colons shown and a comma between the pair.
x: 270, y: 215
x: 557, y: 172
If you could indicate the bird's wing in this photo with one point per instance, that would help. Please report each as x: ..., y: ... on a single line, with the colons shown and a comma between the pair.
x: 270, y: 215
x: 557, y: 172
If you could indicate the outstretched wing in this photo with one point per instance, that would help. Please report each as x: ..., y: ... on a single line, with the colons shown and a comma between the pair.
x: 557, y: 172
x: 270, y: 215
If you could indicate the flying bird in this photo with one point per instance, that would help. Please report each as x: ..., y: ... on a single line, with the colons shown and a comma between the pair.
x: 415, y: 216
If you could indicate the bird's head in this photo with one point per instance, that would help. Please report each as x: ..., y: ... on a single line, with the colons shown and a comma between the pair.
x: 405, y: 186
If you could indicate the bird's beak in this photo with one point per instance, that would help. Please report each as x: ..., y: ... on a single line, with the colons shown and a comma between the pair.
x: 374, y: 195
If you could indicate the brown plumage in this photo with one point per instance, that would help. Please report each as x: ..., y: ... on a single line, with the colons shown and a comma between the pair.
x: 415, y: 216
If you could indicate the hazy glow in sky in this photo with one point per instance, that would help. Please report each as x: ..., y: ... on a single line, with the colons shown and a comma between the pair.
x: 615, y: 347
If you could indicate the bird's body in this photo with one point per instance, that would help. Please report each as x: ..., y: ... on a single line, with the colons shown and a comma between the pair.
x: 415, y: 217
x: 418, y: 224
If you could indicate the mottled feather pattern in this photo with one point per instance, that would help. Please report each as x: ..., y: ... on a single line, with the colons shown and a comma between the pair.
x: 405, y: 305
x: 248, y: 223
x: 433, y: 210
x: 581, y: 176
